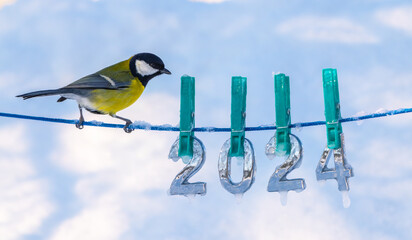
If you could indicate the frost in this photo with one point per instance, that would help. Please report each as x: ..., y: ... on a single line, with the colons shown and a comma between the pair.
x: 357, y: 115
x: 166, y: 126
x: 298, y: 127
x: 142, y: 125
x: 381, y: 110
x: 97, y: 123
x: 275, y: 73
x: 209, y: 129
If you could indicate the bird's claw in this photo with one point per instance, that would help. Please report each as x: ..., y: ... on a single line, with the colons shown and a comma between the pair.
x: 127, y: 128
x: 79, y: 124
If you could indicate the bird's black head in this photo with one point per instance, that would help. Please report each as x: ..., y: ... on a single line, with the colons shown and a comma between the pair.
x: 146, y: 66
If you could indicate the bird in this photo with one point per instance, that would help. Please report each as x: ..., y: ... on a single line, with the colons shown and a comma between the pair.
x: 111, y: 89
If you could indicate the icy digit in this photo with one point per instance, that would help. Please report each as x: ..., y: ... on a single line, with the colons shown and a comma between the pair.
x: 284, y: 144
x: 342, y: 170
x: 237, y: 145
x: 249, y: 168
x: 180, y: 185
x: 335, y: 142
x: 278, y: 181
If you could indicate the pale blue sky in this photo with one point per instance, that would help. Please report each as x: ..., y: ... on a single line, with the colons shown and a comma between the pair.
x: 57, y: 182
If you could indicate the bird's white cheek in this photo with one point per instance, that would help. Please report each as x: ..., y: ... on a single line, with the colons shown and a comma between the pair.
x: 144, y: 69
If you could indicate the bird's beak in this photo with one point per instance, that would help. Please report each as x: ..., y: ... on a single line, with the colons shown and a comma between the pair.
x: 165, y: 71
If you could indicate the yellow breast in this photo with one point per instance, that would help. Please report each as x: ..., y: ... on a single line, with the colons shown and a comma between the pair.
x: 112, y: 101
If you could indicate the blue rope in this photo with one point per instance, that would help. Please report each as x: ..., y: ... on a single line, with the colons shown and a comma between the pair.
x: 204, y: 129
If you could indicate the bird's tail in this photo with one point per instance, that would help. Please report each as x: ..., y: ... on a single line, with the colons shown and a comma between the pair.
x: 42, y: 93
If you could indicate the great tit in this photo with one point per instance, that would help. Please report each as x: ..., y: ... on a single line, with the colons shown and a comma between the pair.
x: 111, y: 89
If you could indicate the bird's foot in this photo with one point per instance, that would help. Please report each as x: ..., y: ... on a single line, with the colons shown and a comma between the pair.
x: 127, y: 127
x: 79, y: 124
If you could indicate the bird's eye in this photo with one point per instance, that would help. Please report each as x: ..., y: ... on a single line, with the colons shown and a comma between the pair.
x: 155, y: 66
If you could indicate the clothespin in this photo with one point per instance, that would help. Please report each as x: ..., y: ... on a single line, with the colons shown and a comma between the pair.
x: 238, y: 115
x: 282, y: 103
x: 332, y: 108
x: 187, y: 116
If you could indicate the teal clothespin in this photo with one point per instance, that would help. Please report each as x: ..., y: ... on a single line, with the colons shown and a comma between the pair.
x: 238, y: 115
x: 187, y: 116
x: 282, y: 103
x: 332, y: 108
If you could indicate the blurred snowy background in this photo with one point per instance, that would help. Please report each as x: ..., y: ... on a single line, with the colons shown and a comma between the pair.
x: 57, y: 182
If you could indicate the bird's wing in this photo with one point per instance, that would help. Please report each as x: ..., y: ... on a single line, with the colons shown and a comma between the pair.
x: 98, y: 81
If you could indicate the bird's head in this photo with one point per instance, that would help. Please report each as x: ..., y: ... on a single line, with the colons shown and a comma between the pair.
x: 146, y: 66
